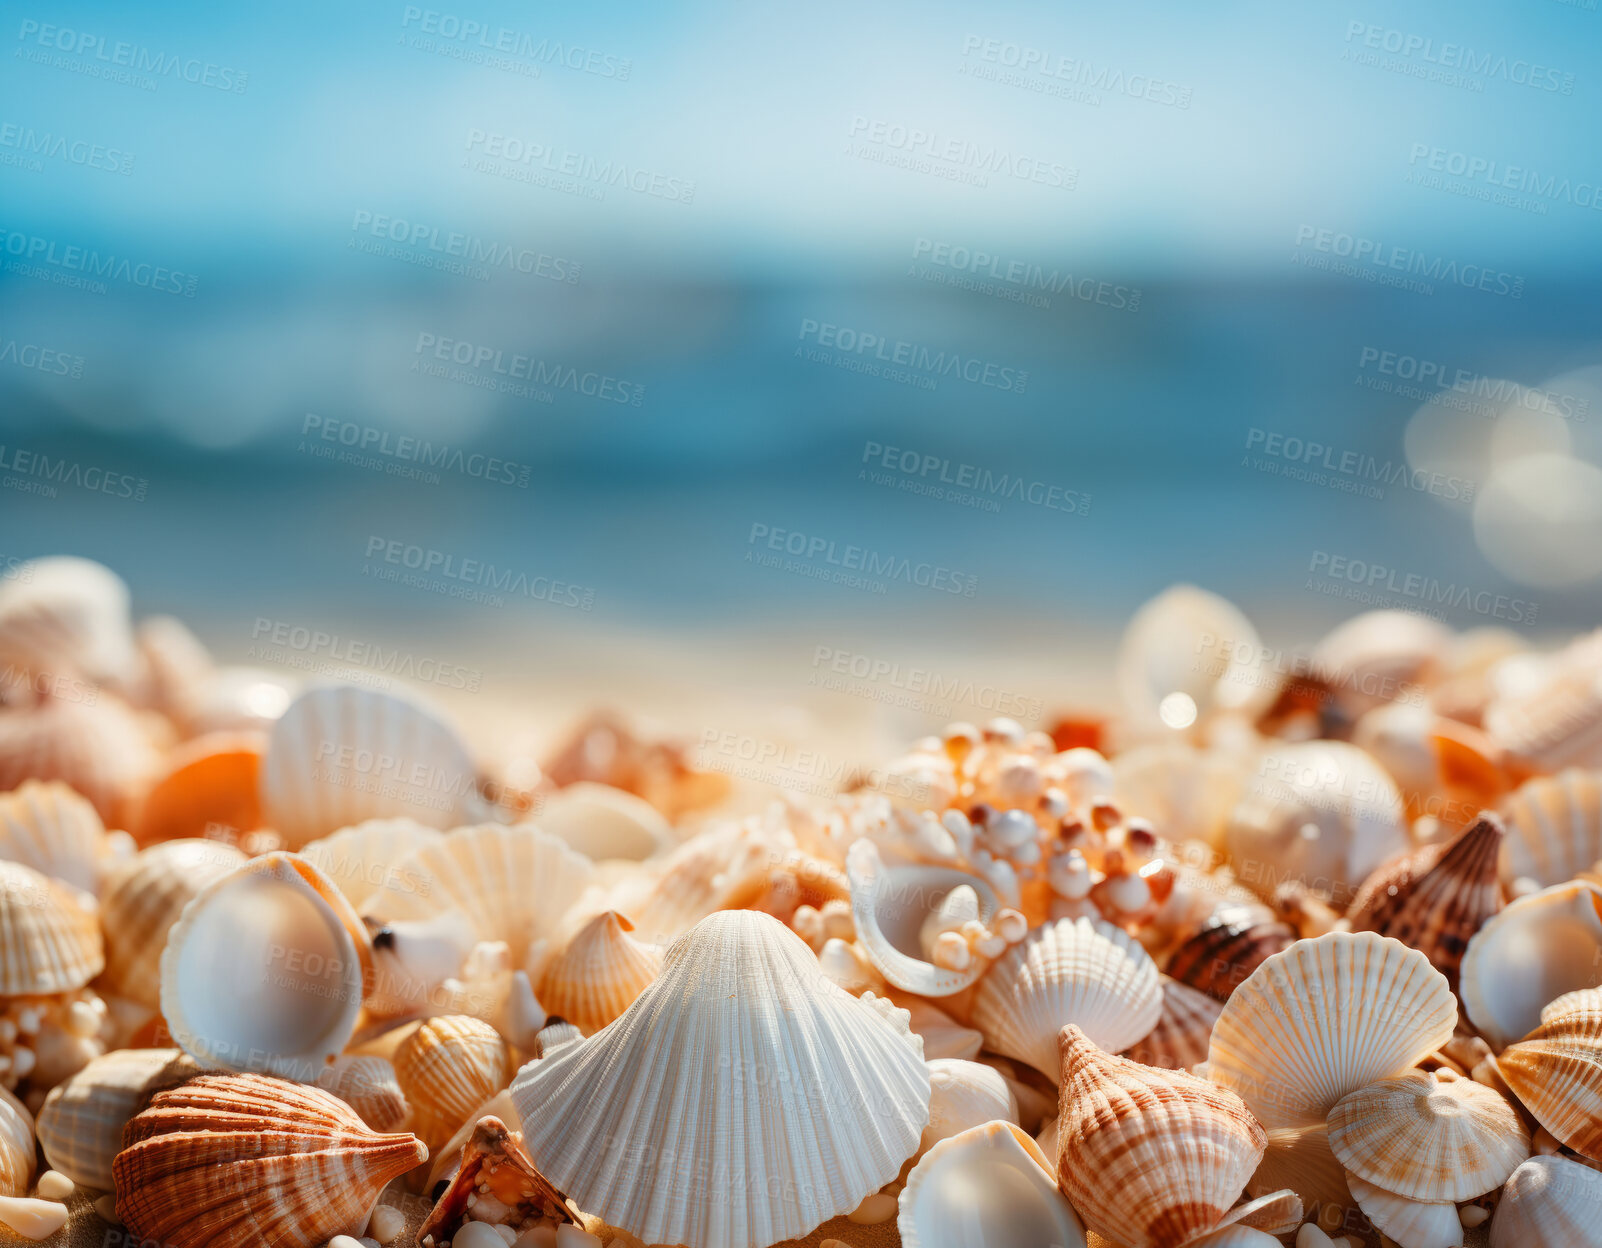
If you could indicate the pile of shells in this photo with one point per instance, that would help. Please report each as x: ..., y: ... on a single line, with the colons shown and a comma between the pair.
x: 1283, y: 949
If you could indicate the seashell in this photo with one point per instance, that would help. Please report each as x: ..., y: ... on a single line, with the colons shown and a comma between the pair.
x: 16, y: 1146
x: 1322, y: 813
x: 414, y: 958
x: 989, y: 1186
x: 1080, y: 971
x: 80, y: 1125
x: 1534, y: 951
x: 445, y: 1162
x: 49, y: 939
x: 340, y: 755
x: 1236, y: 1236
x: 723, y: 869
x: 1440, y: 765
x: 1324, y: 1018
x: 47, y: 826
x: 100, y: 749
x: 1149, y: 1158
x: 264, y: 970
x: 1556, y: 1071
x: 1554, y: 826
x: 1299, y: 1159
x: 239, y: 699
x: 369, y: 1086
x: 1183, y: 1031
x: 1411, y: 1223
x: 603, y: 823
x: 964, y: 1095
x: 942, y: 1035
x: 447, y: 1068
x: 1555, y: 725
x: 32, y: 1219
x: 1233, y: 943
x: 890, y: 905
x: 1549, y: 1201
x: 252, y: 1159
x: 208, y: 783
x: 599, y: 974
x: 494, y: 1166
x: 742, y: 1099
x: 365, y: 858
x: 144, y: 897
x: 513, y: 883
x: 1418, y: 1136
x: 1436, y: 898
x: 1189, y: 644
x: 177, y: 666
x: 63, y: 617
x: 1372, y: 658
x: 1186, y: 792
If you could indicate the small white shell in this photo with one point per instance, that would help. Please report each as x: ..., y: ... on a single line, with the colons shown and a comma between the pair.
x: 963, y: 1095
x: 604, y: 823
x: 1411, y: 1223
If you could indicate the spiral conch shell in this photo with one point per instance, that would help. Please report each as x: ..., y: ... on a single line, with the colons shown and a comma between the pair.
x: 447, y: 1068
x: 599, y: 974
x: 1556, y: 1071
x: 49, y: 939
x: 248, y: 1159
x: 80, y: 1125
x: 16, y: 1146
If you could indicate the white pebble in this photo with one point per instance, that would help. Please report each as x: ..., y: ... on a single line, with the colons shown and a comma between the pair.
x: 1473, y: 1215
x: 387, y: 1224
x: 874, y: 1210
x: 539, y: 1237
x: 1310, y: 1236
x: 53, y: 1185
x: 32, y: 1219
x: 506, y: 1233
x: 1129, y: 893
x: 82, y: 1019
x: 574, y: 1237
x: 477, y: 1235
x: 106, y: 1207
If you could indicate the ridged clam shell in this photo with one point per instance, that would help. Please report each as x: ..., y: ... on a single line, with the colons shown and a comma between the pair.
x: 741, y: 1100
x: 1554, y: 827
x: 1149, y: 1158
x: 599, y: 974
x: 80, y: 1125
x: 1183, y: 1031
x: 98, y: 748
x: 1324, y: 1018
x: 889, y: 905
x: 512, y: 883
x: 144, y: 897
x: 1556, y: 1071
x: 1549, y: 1201
x: 964, y: 1095
x: 1410, y: 1223
x: 1322, y: 813
x: 447, y: 1068
x: 341, y: 755
x: 16, y: 1146
x: 1232, y: 944
x: 47, y: 826
x: 604, y: 823
x: 721, y: 869
x: 1538, y: 948
x: 495, y: 1165
x: 49, y: 938
x: 209, y: 782
x: 1437, y: 898
x: 369, y: 1086
x: 265, y: 970
x: 249, y: 1159
x: 366, y: 858
x: 63, y: 617
x: 1555, y: 726
x: 989, y: 1186
x: 1080, y: 971
x: 1428, y: 1139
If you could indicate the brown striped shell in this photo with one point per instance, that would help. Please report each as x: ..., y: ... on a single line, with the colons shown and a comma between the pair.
x: 49, y: 940
x: 599, y: 974
x: 1234, y: 942
x: 1179, y: 1041
x: 1556, y: 1071
x: 447, y: 1068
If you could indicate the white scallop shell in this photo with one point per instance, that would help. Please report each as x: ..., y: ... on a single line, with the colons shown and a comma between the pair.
x: 80, y: 1125
x: 16, y: 1146
x: 890, y: 905
x: 1529, y: 954
x: 1325, y: 1017
x: 265, y: 969
x: 1549, y: 1201
x: 603, y: 823
x: 61, y: 616
x: 741, y: 1100
x: 987, y: 1187
x: 963, y: 1095
x: 49, y: 827
x: 1554, y: 826
x: 1081, y: 971
x: 341, y: 755
x: 49, y: 936
x: 366, y: 858
x: 1410, y: 1223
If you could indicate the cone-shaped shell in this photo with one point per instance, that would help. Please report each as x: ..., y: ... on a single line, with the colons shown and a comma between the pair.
x: 1324, y: 1018
x: 1549, y: 1201
x: 49, y: 939
x: 99, y: 748
x: 1428, y: 1139
x: 265, y: 970
x: 367, y: 857
x: 741, y: 1100
x: 1183, y: 1031
x: 249, y: 1159
x: 1554, y: 826
x: 80, y: 1125
x: 987, y: 1187
x: 1149, y: 1158
x: 1080, y: 971
x: 47, y: 826
x: 16, y: 1146
x: 209, y: 782
x: 63, y: 617
x: 144, y: 897
x: 447, y: 1068
x: 1232, y: 944
x: 1556, y: 1071
x: 512, y: 883
x: 340, y: 755
x: 602, y: 823
x: 1538, y: 948
x: 1435, y: 900
x: 889, y: 905
x: 494, y: 1164
x: 1410, y: 1223
x: 599, y: 974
